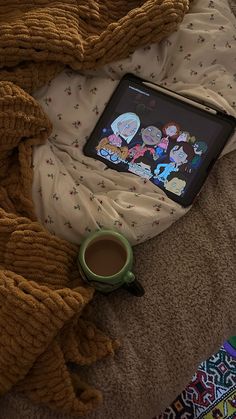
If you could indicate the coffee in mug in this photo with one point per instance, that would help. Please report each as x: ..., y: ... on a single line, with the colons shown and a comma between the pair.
x: 105, y: 257
x: 105, y: 262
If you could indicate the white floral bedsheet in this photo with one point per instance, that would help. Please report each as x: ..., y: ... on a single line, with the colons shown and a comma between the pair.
x: 74, y: 194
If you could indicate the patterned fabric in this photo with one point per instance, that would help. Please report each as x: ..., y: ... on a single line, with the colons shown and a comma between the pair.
x: 198, y: 61
x: 211, y: 393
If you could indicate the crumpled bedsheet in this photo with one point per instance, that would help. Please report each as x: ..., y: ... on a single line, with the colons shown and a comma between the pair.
x: 74, y: 194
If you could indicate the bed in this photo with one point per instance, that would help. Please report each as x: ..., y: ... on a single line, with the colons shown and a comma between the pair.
x: 188, y: 272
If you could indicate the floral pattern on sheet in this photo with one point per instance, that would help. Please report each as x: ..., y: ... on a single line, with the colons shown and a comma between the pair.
x: 75, y: 195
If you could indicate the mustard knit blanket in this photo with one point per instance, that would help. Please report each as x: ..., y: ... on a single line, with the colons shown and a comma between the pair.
x: 43, y: 303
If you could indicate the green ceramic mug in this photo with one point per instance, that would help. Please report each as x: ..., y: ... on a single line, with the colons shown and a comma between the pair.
x: 105, y: 262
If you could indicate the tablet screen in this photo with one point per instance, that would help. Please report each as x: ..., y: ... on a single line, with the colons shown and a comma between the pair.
x: 147, y: 133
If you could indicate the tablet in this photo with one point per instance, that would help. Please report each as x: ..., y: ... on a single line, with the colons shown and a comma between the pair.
x: 161, y: 136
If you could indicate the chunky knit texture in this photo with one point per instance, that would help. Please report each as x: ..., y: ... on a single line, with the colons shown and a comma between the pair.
x: 20, y: 118
x: 41, y: 295
x: 83, y: 34
x: 43, y: 303
x: 40, y: 323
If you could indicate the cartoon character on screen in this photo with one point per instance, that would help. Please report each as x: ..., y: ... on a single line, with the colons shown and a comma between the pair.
x: 123, y: 128
x: 171, y: 131
x: 176, y: 183
x: 141, y: 169
x: 183, y: 136
x: 151, y: 136
x: 178, y: 155
x: 200, y: 148
x: 112, y: 152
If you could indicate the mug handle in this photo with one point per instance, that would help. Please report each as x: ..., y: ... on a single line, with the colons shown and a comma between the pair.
x: 133, y: 286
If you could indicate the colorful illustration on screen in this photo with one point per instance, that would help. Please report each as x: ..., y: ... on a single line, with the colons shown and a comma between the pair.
x: 200, y: 148
x: 151, y: 136
x: 141, y: 169
x: 170, y: 131
x: 124, y: 127
x: 183, y: 136
x: 111, y: 152
x: 178, y: 155
x: 166, y: 155
x: 176, y: 183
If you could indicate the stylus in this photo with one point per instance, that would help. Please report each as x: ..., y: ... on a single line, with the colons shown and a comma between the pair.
x: 180, y: 97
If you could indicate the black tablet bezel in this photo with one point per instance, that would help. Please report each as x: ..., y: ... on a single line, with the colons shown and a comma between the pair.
x: 227, y: 122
